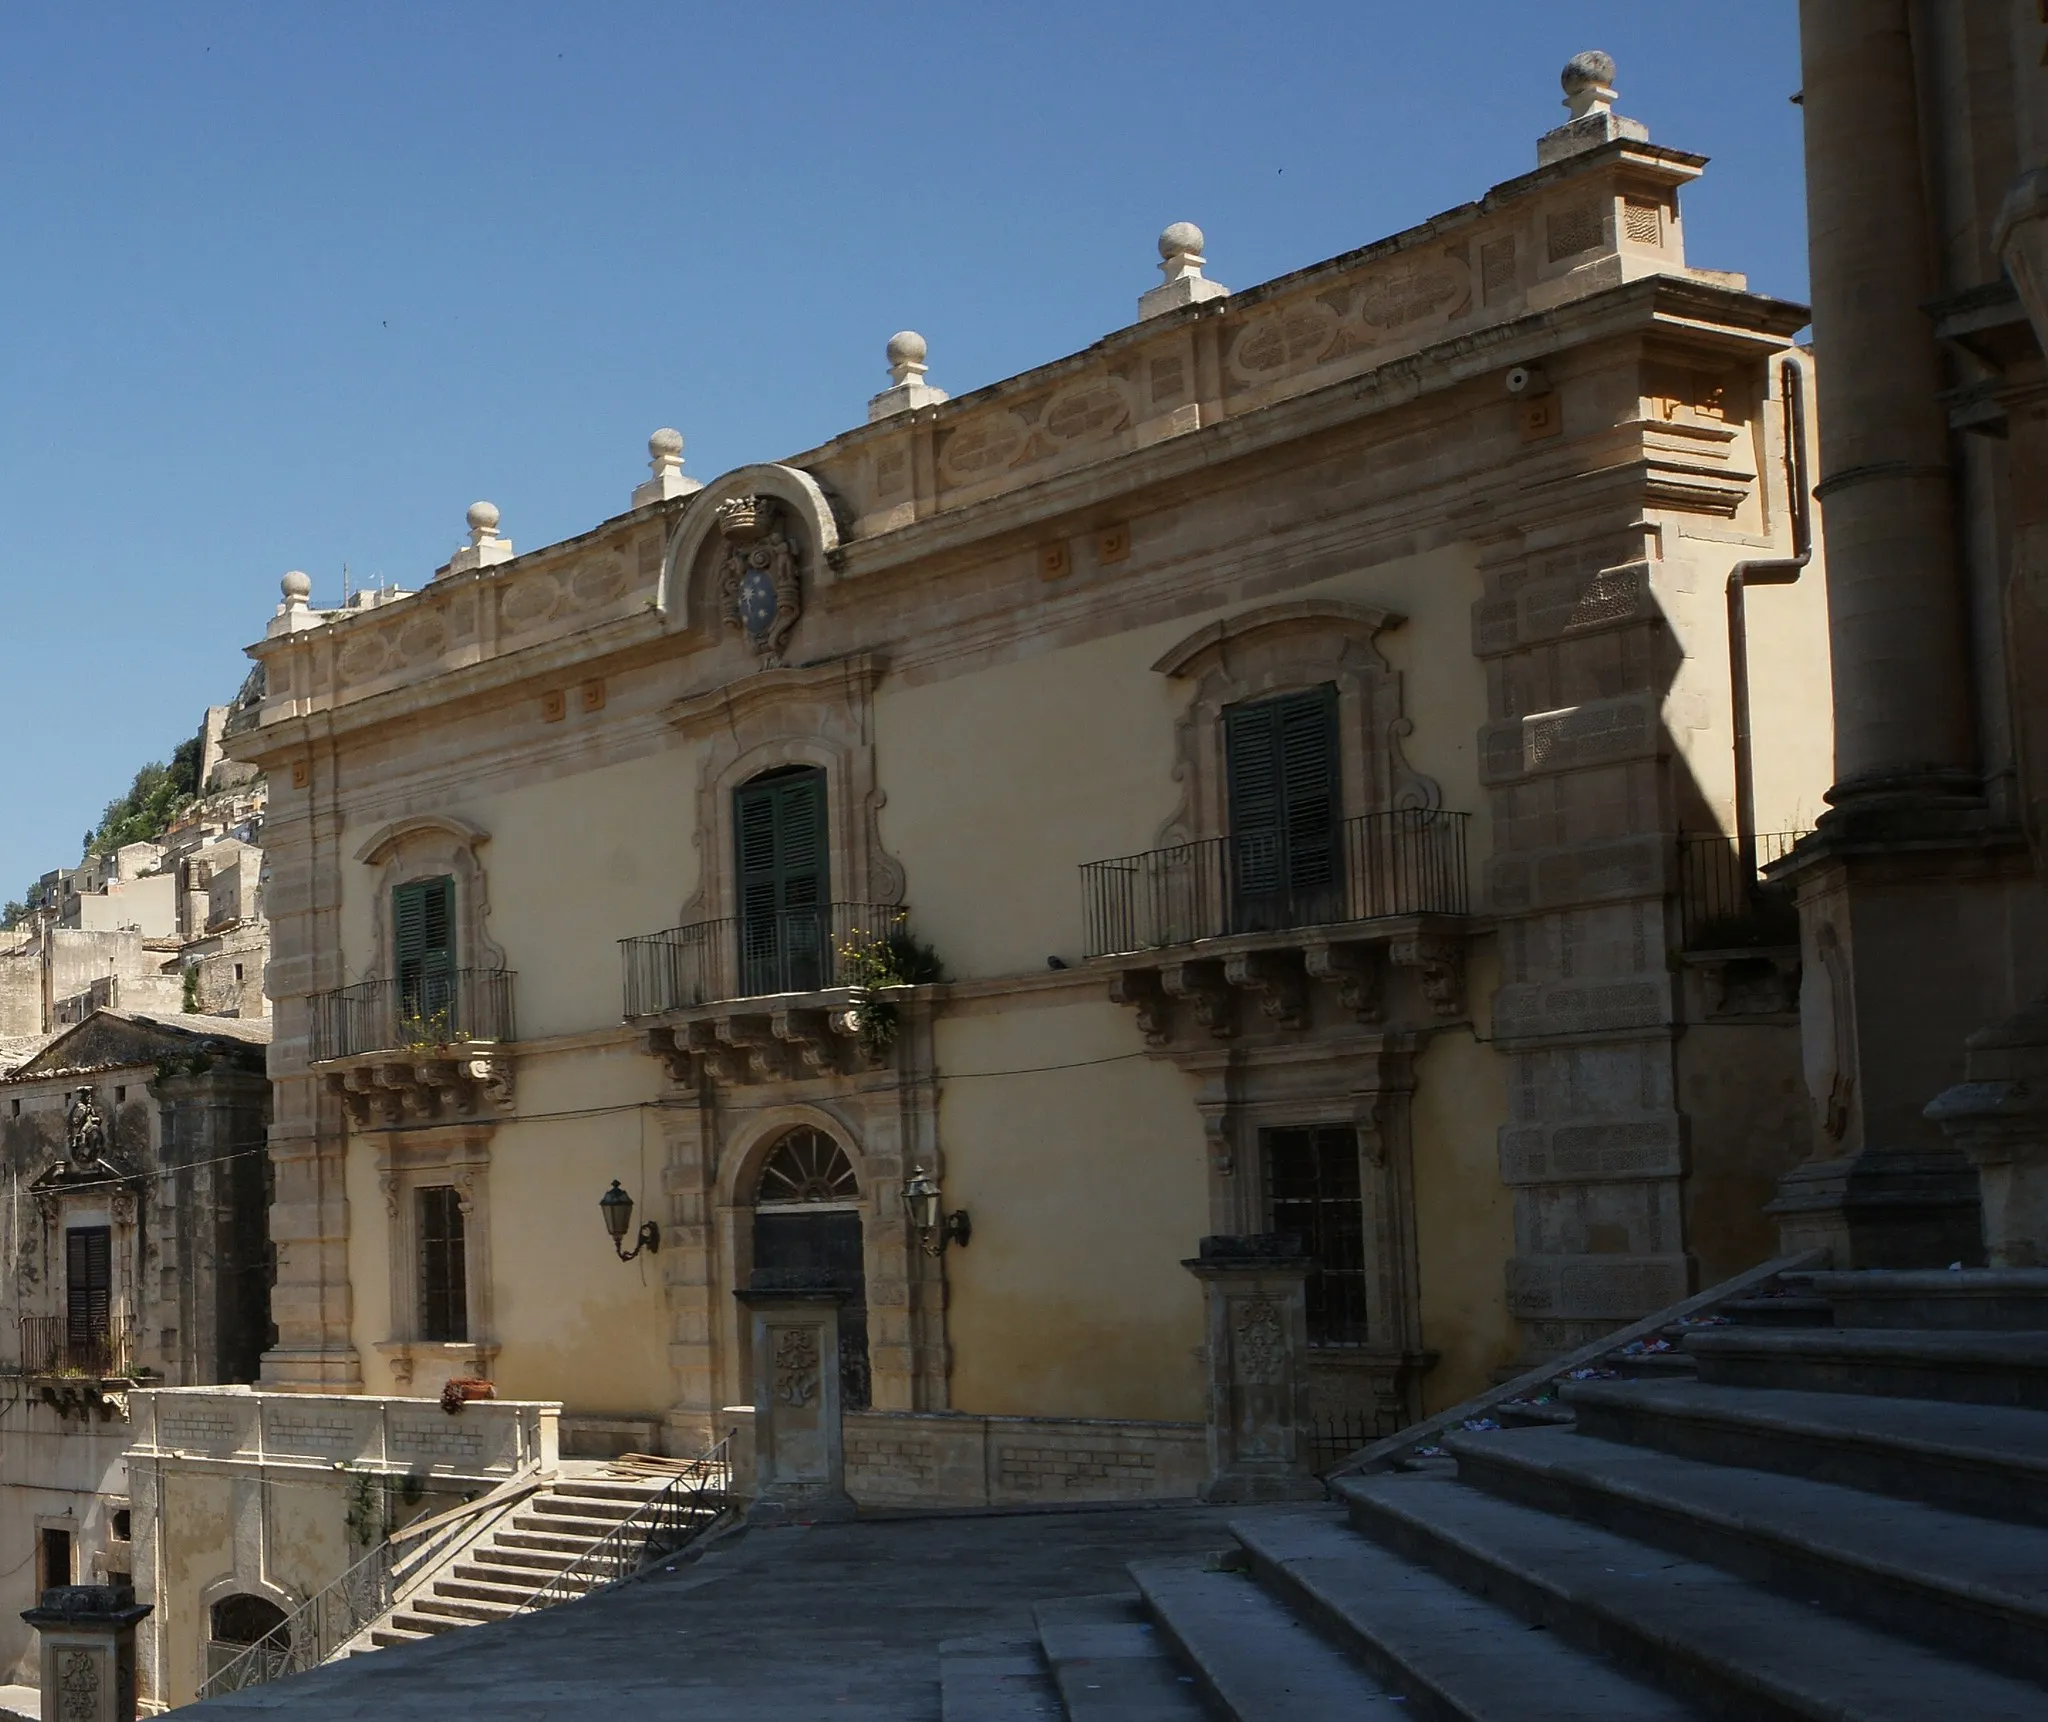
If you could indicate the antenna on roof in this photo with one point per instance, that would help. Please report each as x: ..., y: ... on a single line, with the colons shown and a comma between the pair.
x: 344, y: 585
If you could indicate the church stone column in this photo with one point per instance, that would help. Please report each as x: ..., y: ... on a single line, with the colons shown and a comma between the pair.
x: 1897, y: 607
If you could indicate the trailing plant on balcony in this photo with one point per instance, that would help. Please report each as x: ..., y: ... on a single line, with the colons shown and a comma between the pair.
x: 871, y: 963
x: 431, y: 1031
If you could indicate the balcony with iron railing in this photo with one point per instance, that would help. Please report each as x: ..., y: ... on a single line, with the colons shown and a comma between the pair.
x: 1193, y: 932
x: 1724, y: 901
x: 784, y: 994
x: 418, y: 1047
x: 1382, y: 865
x: 54, y: 1345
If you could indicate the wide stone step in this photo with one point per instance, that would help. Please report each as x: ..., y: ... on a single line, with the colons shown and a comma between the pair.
x: 1976, y: 1299
x: 1256, y: 1657
x: 1452, y: 1654
x: 1110, y: 1663
x: 562, y: 1549
x: 997, y: 1677
x: 1712, y: 1638
x: 521, y: 1560
x: 391, y: 1635
x: 586, y: 1531
x: 465, y: 1582
x: 1965, y: 1584
x: 1788, y: 1310
x: 461, y: 1610
x: 1976, y: 1368
x: 416, y: 1625
x: 581, y: 1512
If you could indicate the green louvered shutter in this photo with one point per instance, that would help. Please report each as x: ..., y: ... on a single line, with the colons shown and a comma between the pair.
x: 784, y: 902
x: 1281, y: 756
x: 423, y: 929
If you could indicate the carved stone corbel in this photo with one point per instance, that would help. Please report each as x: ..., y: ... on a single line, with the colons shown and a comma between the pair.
x: 1354, y: 971
x: 808, y: 1033
x: 1139, y: 989
x: 491, y: 1080
x: 1440, y: 964
x: 1201, y: 987
x: 677, y: 1058
x: 754, y: 1052
x: 1280, y: 988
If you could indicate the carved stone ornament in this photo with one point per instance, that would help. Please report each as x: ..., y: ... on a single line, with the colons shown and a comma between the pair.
x: 796, y: 1365
x: 760, y: 591
x: 1261, y: 1343
x: 85, y: 1130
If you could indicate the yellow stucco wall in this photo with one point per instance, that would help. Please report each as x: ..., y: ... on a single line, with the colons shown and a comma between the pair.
x: 574, y: 864
x: 1020, y: 772
x: 1087, y: 1187
x: 1464, y: 1214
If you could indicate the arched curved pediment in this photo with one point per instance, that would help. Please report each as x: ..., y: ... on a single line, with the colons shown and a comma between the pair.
x: 1206, y: 645
x: 464, y: 834
x: 796, y: 489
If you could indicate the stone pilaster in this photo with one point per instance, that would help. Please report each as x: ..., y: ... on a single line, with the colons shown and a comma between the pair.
x: 799, y: 1434
x: 1257, y: 1348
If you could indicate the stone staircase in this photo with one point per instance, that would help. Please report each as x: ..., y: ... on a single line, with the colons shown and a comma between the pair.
x: 1831, y: 1508
x: 524, y: 1550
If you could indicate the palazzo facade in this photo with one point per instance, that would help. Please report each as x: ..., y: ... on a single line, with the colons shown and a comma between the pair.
x: 1236, y: 778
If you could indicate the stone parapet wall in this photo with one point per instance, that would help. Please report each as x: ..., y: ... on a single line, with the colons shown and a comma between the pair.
x: 960, y: 1459
x: 238, y: 1426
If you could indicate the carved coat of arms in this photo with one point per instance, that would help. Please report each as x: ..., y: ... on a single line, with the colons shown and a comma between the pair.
x: 760, y: 590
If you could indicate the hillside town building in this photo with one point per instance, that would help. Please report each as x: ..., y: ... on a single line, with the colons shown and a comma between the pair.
x: 1284, y: 770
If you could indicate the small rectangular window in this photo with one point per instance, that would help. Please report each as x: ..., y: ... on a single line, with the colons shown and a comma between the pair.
x: 120, y: 1094
x: 1312, y: 1190
x: 444, y: 1268
x: 56, y: 1561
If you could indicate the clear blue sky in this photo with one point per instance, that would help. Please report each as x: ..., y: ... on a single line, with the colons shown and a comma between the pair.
x: 285, y: 286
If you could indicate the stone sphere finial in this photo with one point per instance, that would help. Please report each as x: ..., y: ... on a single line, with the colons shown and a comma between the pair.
x: 1182, y: 239
x: 907, y: 352
x: 666, y: 443
x: 296, y: 587
x: 1591, y: 67
x: 482, y: 517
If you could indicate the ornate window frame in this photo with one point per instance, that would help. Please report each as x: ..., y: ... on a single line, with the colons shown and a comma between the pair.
x: 819, y: 715
x: 430, y: 846
x: 1281, y: 649
x: 407, y: 1162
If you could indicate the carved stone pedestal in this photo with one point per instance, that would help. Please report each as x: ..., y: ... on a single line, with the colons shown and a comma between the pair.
x: 88, y: 1651
x: 1258, y: 1341
x: 1998, y: 1116
x: 799, y: 1449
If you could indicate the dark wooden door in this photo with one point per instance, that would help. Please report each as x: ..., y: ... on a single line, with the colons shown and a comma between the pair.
x: 826, y: 1244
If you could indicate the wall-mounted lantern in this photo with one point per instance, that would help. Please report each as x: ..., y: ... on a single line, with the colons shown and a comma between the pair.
x: 617, y: 1208
x: 935, y: 1227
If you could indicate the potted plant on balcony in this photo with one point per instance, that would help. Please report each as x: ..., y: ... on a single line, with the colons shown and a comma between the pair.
x: 873, y: 964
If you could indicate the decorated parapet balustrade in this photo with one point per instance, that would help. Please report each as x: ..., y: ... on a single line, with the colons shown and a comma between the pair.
x: 1587, y: 223
x: 235, y: 1427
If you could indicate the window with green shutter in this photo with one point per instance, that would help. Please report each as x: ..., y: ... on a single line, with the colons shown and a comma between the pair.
x: 784, y: 902
x: 1281, y: 755
x: 423, y: 933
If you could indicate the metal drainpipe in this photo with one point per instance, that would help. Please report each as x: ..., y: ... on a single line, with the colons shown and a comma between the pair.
x: 1781, y: 571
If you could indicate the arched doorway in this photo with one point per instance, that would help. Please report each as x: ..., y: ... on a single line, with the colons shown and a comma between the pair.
x: 807, y: 1221
x: 235, y: 1624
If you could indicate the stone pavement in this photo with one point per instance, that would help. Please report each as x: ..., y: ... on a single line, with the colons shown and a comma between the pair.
x: 804, y: 1625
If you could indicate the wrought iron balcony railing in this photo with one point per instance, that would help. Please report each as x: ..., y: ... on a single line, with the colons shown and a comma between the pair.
x: 1410, y: 861
x: 1722, y: 905
x: 425, y: 1015
x: 54, y: 1345
x: 749, y: 956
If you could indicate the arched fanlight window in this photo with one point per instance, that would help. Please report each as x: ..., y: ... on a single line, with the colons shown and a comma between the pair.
x: 806, y: 1165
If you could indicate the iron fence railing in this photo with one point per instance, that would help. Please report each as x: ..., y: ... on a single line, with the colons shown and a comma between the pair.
x: 749, y: 956
x: 55, y: 1345
x: 438, y: 1010
x: 1725, y: 905
x: 1410, y: 861
x: 694, y: 1500
x: 364, y: 1594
